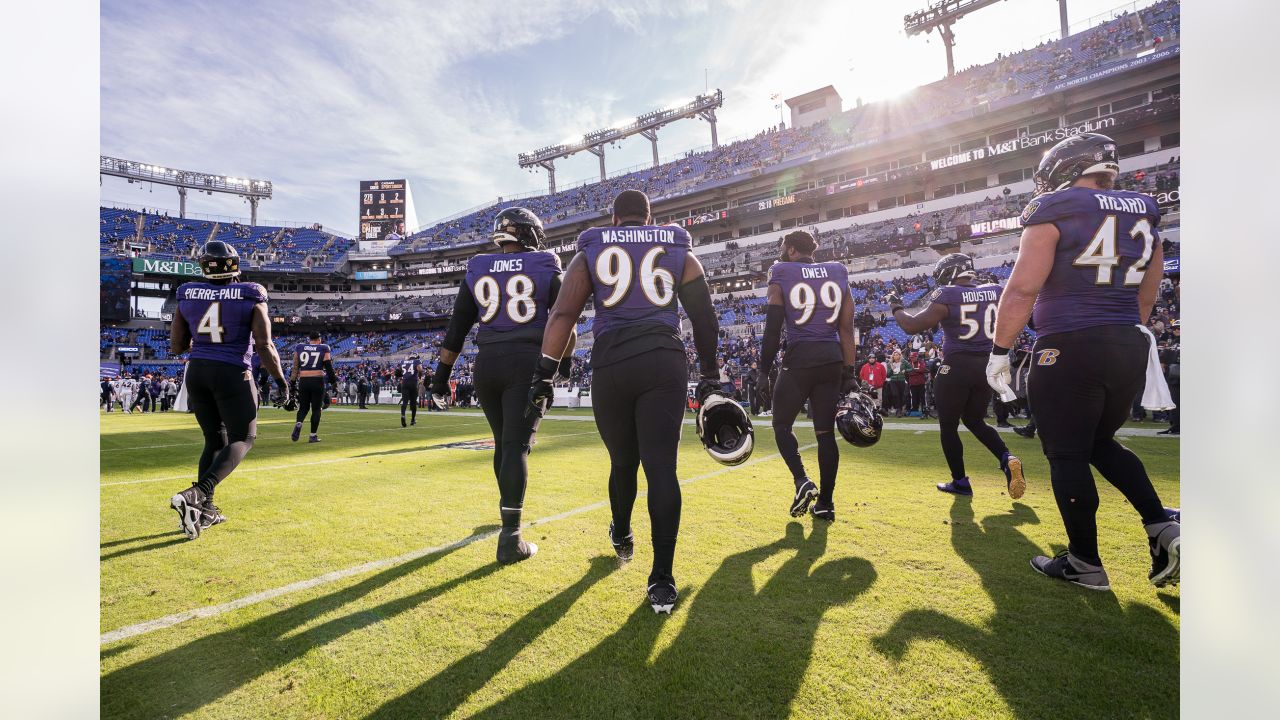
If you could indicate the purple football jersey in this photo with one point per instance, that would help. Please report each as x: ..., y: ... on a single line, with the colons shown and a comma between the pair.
x: 1106, y: 239
x: 512, y: 290
x: 310, y: 355
x: 220, y: 318
x: 812, y: 294
x: 635, y: 272
x: 970, y: 324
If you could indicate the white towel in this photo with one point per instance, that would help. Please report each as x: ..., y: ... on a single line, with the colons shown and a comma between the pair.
x: 180, y: 402
x: 1156, y: 395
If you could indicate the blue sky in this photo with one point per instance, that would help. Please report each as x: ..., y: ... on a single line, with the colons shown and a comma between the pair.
x: 317, y: 96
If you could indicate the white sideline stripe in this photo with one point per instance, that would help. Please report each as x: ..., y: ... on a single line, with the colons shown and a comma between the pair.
x: 760, y: 423
x: 213, y: 610
x: 260, y: 438
x: 316, y: 462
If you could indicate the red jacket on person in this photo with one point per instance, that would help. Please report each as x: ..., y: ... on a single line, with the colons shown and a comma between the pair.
x: 873, y: 373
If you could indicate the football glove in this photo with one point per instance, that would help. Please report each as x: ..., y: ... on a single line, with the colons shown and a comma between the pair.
x: 848, y: 379
x: 999, y: 377
x: 894, y: 300
x: 541, y: 390
x: 707, y: 386
x: 285, y: 397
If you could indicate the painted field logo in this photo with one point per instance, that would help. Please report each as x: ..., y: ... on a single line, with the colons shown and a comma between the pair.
x: 486, y: 444
x: 1047, y: 357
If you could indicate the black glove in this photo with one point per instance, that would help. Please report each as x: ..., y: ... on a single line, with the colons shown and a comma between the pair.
x: 541, y: 391
x: 284, y: 397
x: 707, y: 386
x: 566, y: 366
x: 894, y: 300
x: 440, y: 380
x: 848, y: 380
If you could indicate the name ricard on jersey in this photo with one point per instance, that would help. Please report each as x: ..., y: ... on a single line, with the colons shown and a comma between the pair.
x: 638, y: 235
x: 1122, y: 204
x: 227, y: 293
x: 978, y: 296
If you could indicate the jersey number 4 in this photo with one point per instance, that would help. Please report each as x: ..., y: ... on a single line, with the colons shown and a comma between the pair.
x: 211, y: 323
x: 1101, y: 252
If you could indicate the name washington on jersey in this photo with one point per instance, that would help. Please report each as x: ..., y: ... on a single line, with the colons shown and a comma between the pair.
x: 638, y: 235
x: 227, y: 293
x: 1122, y: 204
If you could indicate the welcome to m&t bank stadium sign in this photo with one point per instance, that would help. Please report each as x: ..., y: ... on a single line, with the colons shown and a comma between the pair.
x: 153, y: 266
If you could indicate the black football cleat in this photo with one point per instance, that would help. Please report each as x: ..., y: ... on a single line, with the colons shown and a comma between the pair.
x: 297, y: 432
x: 1026, y: 431
x: 827, y: 512
x: 1013, y: 478
x: 413, y: 421
x: 806, y: 492
x: 402, y: 422
x: 662, y: 595
x: 187, y: 504
x: 1165, y: 541
x: 512, y: 548
x: 625, y: 547
x: 1065, y: 566
x: 956, y: 488
x: 1174, y: 514
x: 210, y: 515
x: 1004, y: 424
x: 313, y: 439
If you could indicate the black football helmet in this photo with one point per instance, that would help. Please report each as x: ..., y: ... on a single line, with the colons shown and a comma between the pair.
x: 858, y: 419
x: 951, y: 266
x: 1082, y: 154
x: 328, y: 399
x: 518, y: 225
x: 725, y: 430
x: 219, y: 260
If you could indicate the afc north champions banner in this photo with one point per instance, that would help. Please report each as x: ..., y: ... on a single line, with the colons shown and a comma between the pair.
x: 386, y: 212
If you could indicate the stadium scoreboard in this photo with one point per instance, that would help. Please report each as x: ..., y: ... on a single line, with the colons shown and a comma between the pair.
x: 386, y: 209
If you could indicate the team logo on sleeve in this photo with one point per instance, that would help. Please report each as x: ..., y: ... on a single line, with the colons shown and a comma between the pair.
x: 1047, y: 357
x: 937, y: 293
x: 1030, y: 210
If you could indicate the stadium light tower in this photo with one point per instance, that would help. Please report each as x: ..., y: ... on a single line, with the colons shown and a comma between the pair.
x: 942, y: 15
x: 247, y: 188
x: 646, y: 126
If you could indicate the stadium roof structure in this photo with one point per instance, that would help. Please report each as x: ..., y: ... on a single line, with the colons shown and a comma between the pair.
x: 943, y: 13
x: 134, y: 171
x: 646, y: 125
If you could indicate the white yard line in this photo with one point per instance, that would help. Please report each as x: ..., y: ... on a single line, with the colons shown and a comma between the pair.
x: 330, y: 577
x: 261, y: 438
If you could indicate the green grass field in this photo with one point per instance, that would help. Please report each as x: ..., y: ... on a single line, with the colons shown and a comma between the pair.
x: 912, y: 604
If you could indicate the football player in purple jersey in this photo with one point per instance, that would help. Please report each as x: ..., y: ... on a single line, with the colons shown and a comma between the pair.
x: 508, y: 294
x: 1088, y: 270
x: 636, y: 271
x: 812, y: 300
x: 408, y: 373
x: 215, y: 321
x: 967, y: 312
x: 312, y: 366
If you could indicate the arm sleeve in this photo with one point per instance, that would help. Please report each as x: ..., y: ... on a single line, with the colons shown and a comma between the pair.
x: 773, y: 316
x: 464, y: 316
x: 329, y: 374
x: 695, y: 296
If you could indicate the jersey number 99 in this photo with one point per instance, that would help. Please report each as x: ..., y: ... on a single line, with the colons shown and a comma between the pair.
x: 803, y: 299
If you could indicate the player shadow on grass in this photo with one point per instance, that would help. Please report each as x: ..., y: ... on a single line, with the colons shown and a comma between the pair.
x: 180, y: 538
x: 126, y: 541
x: 1051, y: 649
x: 443, y: 693
x: 742, y: 651
x: 200, y: 672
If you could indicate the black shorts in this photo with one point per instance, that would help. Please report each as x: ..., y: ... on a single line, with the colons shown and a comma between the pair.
x: 820, y: 385
x: 223, y: 395
x: 409, y: 388
x: 1083, y: 384
x: 639, y: 403
x: 503, y: 374
x: 960, y: 388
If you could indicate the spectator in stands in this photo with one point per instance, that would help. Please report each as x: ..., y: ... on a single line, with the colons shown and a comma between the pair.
x: 896, y: 383
x: 873, y: 373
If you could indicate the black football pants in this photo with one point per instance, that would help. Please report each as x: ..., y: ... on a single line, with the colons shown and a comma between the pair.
x: 961, y: 394
x: 225, y: 402
x: 819, y: 385
x: 310, y: 400
x: 503, y: 374
x: 639, y: 409
x: 1078, y: 400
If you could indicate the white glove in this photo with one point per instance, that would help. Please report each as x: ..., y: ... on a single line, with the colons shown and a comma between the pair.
x: 440, y: 401
x: 999, y: 377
